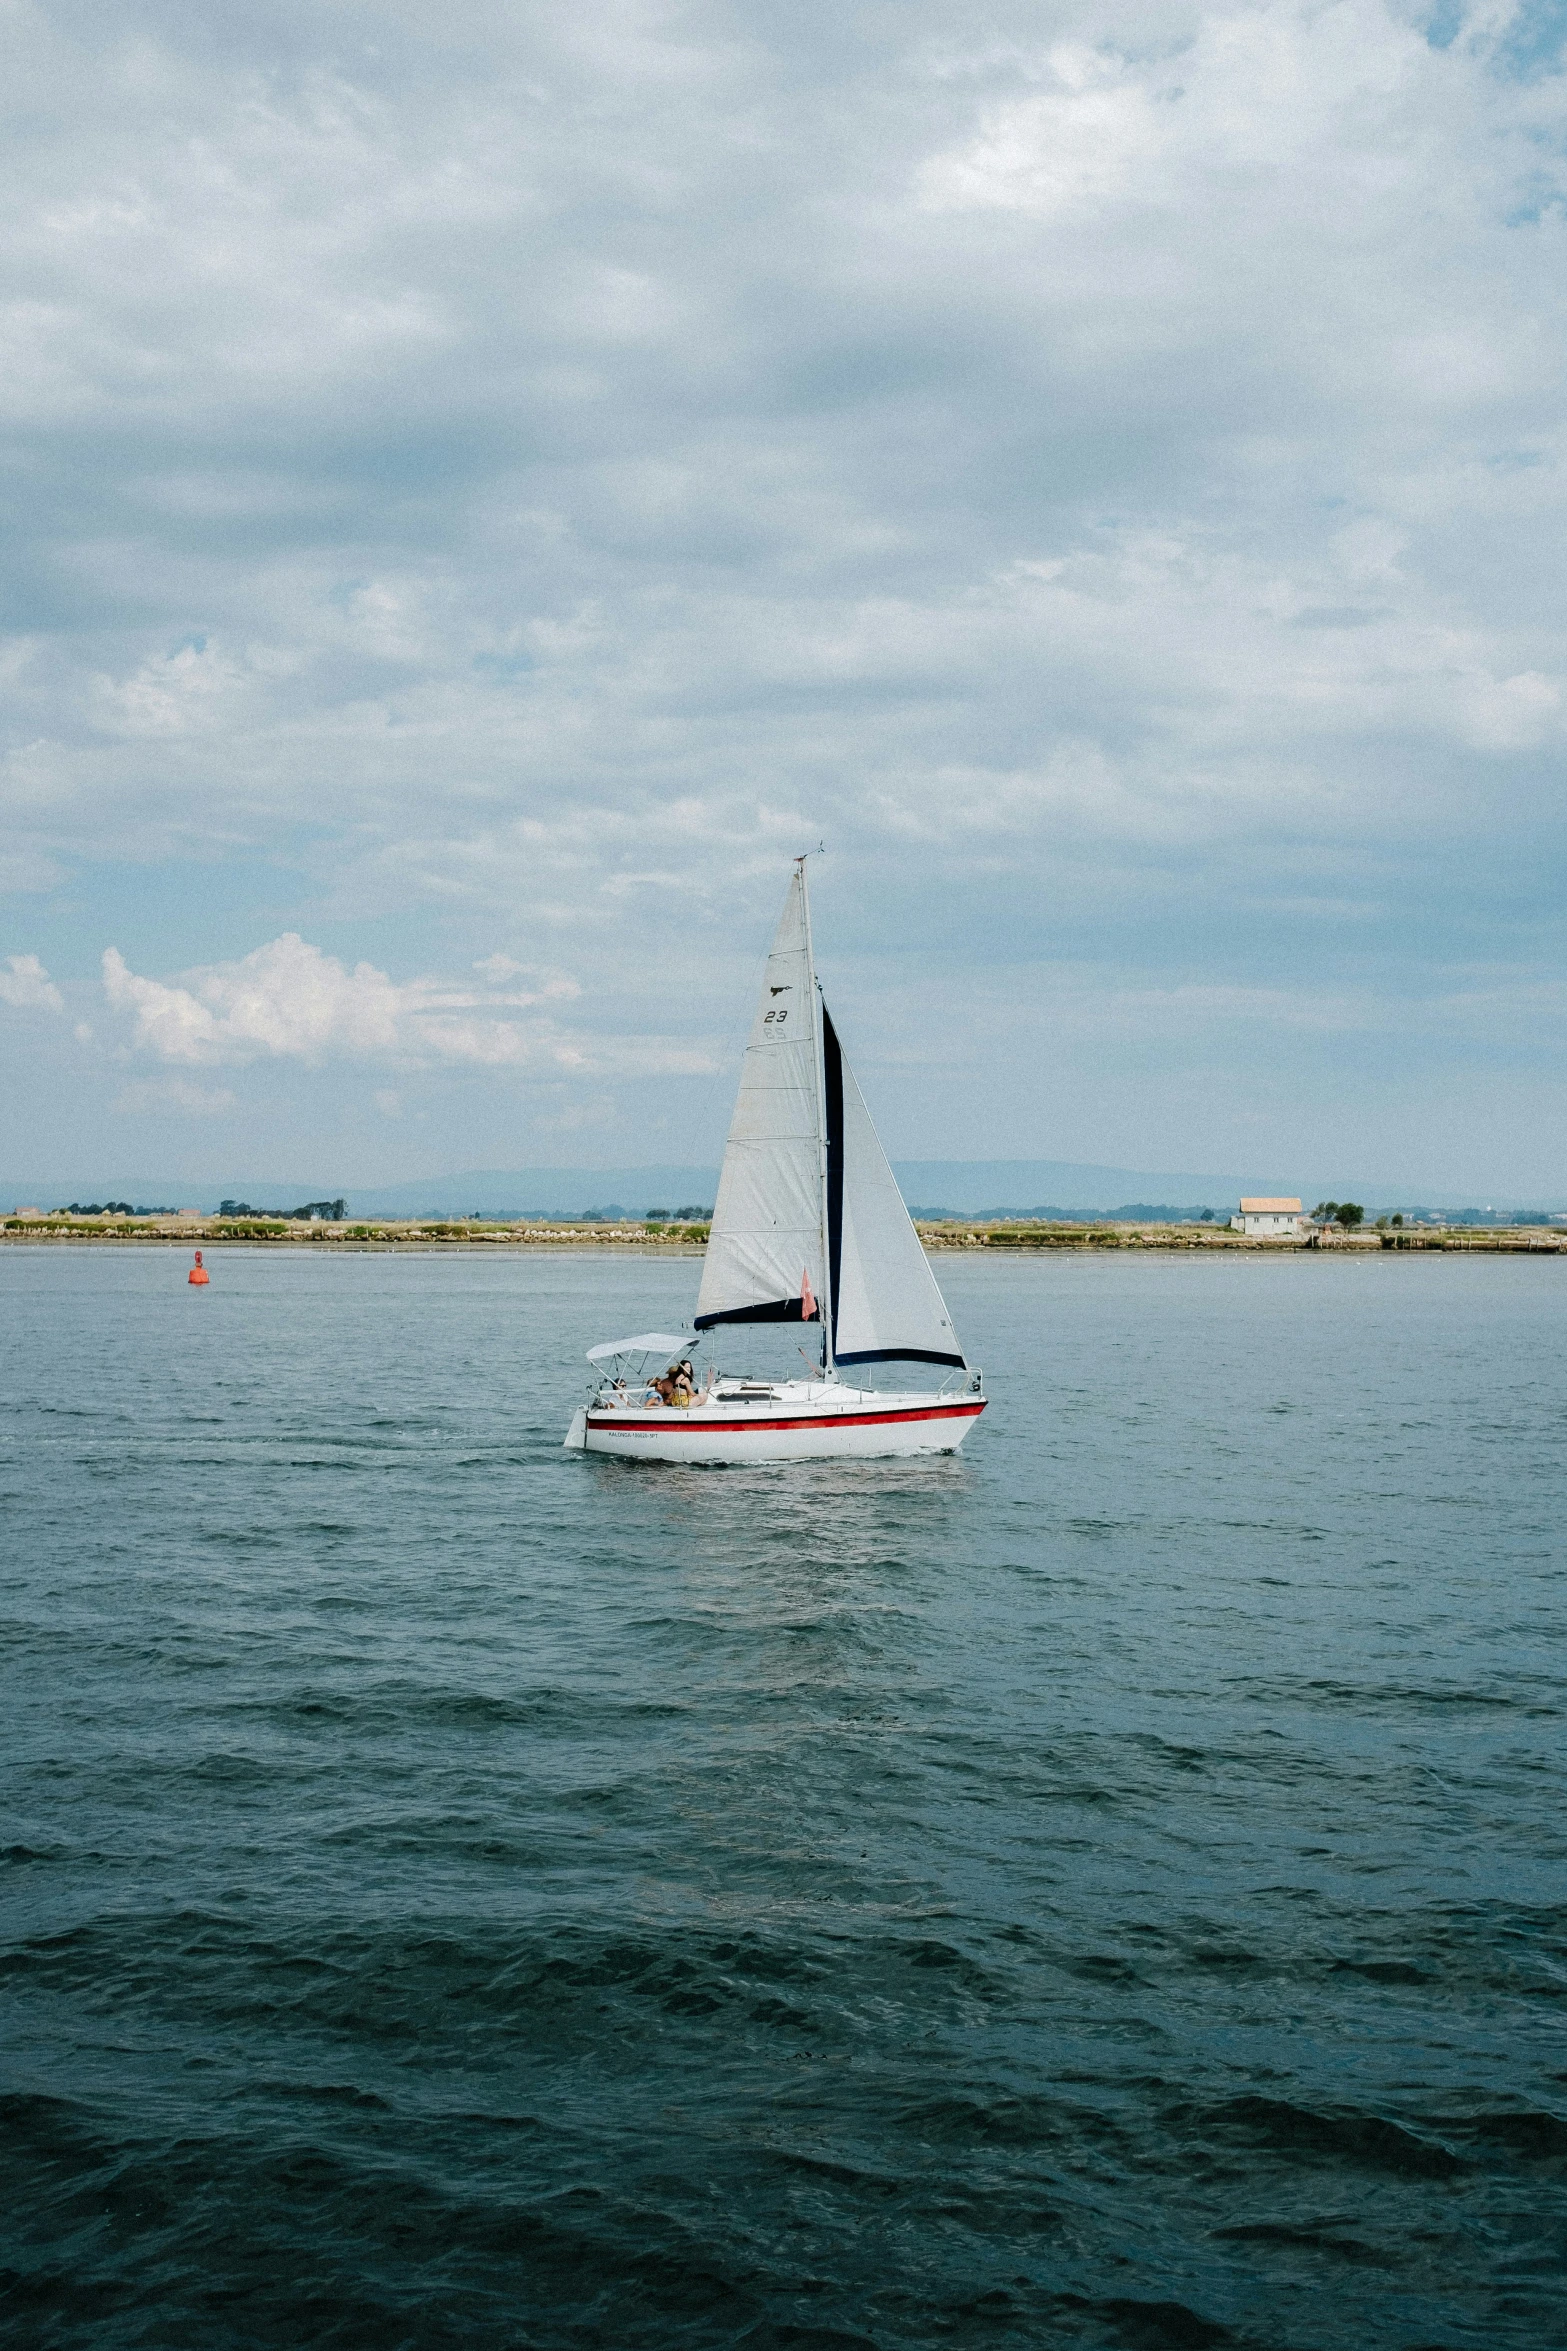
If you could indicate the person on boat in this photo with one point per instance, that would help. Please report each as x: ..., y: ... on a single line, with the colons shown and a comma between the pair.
x: 678, y: 1386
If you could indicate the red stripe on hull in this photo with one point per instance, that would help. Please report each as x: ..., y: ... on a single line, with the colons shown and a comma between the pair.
x: 813, y: 1420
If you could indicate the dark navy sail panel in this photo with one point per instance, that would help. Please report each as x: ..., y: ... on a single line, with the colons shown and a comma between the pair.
x: 768, y: 1310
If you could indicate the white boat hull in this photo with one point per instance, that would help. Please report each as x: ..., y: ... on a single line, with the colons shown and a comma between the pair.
x: 793, y: 1423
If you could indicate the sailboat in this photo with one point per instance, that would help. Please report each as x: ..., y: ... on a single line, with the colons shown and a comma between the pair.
x: 809, y: 1227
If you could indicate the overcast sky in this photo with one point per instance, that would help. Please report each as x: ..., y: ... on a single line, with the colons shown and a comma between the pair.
x: 487, y: 486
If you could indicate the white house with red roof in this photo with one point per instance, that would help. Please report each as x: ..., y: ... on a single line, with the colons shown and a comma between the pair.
x: 1269, y: 1220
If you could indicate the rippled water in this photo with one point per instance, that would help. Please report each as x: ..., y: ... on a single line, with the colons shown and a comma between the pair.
x: 1106, y: 1890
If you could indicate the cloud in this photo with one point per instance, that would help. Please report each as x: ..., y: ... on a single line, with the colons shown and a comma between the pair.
x: 285, y: 998
x: 712, y: 520
x: 1101, y: 469
x: 28, y: 986
x: 289, y: 1001
x: 1089, y: 139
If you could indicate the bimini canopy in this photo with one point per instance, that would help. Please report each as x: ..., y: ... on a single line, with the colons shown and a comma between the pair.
x: 649, y: 1343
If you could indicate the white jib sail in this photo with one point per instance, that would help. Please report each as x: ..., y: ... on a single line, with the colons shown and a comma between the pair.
x: 767, y: 1220
x: 886, y: 1301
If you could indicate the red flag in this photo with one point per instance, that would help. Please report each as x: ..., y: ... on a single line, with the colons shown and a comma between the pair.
x: 807, y: 1302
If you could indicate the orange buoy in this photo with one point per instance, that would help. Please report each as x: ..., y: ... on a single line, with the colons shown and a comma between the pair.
x: 198, y: 1272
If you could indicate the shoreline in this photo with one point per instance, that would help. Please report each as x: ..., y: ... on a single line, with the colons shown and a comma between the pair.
x: 433, y: 1237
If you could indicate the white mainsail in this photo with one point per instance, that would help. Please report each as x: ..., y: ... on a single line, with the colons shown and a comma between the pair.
x: 768, y: 1230
x: 809, y: 1220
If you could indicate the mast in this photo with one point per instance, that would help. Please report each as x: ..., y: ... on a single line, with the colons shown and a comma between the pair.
x: 824, y: 1304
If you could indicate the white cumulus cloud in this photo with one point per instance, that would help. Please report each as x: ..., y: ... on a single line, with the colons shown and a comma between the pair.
x: 286, y: 998
x: 28, y: 986
x: 289, y: 1000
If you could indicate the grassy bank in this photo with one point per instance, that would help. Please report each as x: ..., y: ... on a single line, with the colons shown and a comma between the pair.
x: 475, y: 1234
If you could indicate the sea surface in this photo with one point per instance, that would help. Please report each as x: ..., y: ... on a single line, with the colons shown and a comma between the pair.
x: 1104, y: 1890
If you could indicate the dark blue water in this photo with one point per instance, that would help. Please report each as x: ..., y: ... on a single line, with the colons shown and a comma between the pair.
x: 1105, y: 1890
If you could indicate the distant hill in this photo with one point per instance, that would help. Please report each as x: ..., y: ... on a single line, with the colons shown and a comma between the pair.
x: 1051, y: 1212
x: 548, y: 1191
x: 1024, y: 1186
x: 968, y: 1187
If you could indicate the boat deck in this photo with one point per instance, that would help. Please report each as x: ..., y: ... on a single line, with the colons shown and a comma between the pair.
x: 780, y: 1420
